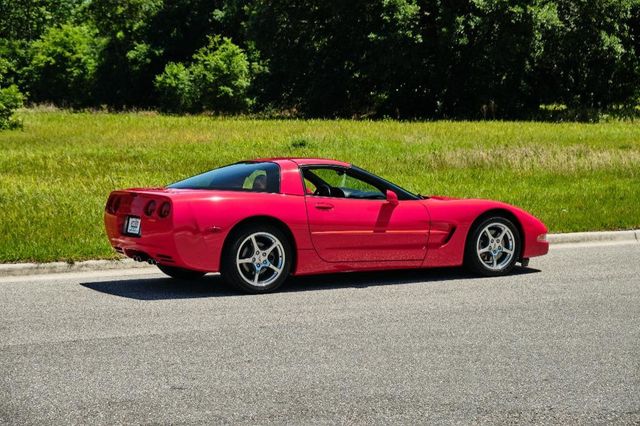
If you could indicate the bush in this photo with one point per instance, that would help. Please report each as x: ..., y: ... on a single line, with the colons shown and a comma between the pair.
x: 10, y: 100
x: 221, y: 76
x: 216, y: 80
x: 63, y: 65
x: 175, y: 88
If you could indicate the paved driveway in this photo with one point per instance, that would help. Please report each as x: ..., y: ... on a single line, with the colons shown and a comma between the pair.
x: 558, y: 342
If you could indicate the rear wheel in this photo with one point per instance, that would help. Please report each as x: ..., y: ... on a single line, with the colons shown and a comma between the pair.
x: 180, y: 273
x: 493, y: 247
x: 257, y: 259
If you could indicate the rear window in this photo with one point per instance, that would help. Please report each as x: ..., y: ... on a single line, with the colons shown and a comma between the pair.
x: 253, y: 177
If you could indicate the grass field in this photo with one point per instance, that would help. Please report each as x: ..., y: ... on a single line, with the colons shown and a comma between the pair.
x: 56, y: 172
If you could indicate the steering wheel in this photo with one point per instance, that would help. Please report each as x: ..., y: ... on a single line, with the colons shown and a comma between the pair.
x: 337, y: 192
x: 323, y: 191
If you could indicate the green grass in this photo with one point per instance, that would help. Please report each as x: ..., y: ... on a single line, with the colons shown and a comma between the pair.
x: 55, y: 173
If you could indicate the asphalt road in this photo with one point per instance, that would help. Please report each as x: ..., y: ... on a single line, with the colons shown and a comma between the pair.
x: 558, y: 342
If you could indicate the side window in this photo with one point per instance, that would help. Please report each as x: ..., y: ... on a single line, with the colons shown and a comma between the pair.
x: 339, y: 183
x: 254, y: 177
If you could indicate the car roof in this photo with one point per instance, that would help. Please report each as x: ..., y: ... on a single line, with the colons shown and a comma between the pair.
x: 303, y: 161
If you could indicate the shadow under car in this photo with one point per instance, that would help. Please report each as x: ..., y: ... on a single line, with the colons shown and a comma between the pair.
x: 214, y: 286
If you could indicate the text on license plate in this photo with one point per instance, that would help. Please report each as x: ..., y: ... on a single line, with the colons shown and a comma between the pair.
x: 133, y: 225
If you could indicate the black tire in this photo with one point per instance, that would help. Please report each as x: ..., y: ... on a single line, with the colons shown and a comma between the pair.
x: 181, y: 273
x: 483, y: 263
x: 238, y: 245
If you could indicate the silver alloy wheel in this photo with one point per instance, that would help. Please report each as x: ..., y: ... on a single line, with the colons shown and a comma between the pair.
x: 260, y: 259
x: 495, y: 246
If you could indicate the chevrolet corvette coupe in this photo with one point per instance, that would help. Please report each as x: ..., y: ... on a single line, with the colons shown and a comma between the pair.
x: 258, y: 222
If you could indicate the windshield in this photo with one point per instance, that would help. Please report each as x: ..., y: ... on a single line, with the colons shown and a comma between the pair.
x: 253, y: 177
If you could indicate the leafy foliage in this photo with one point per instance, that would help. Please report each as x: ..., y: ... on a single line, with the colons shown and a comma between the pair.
x: 124, y: 73
x: 221, y: 76
x: 217, y: 80
x: 362, y: 58
x: 28, y: 20
x: 175, y: 88
x: 10, y: 99
x: 595, y: 59
x: 63, y: 65
x: 335, y: 57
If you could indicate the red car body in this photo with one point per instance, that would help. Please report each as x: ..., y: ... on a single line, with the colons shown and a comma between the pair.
x: 328, y: 234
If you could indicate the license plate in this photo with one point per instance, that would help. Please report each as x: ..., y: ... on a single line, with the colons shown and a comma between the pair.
x: 133, y: 225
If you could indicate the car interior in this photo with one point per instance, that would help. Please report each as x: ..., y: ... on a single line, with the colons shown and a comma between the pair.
x: 339, y: 183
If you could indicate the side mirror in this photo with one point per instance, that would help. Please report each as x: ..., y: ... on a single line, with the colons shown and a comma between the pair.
x: 392, y: 197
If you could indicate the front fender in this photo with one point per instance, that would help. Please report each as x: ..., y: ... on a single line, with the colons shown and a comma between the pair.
x: 451, y: 222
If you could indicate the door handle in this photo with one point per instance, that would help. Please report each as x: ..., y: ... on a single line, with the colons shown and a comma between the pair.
x: 324, y: 206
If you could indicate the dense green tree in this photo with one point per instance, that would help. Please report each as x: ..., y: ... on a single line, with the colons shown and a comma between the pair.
x: 29, y: 19
x: 334, y: 57
x: 23, y: 21
x: 362, y: 58
x: 483, y: 53
x: 124, y: 79
x: 592, y: 59
x: 463, y: 58
x: 143, y: 36
x: 63, y: 65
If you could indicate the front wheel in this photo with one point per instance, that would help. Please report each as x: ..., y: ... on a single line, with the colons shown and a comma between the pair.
x: 493, y: 247
x: 180, y: 273
x: 258, y: 258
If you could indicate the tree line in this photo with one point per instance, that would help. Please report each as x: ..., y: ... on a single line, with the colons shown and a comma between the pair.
x: 331, y: 58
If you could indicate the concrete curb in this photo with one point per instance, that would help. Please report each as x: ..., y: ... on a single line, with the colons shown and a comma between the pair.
x: 16, y: 269
x: 592, y: 237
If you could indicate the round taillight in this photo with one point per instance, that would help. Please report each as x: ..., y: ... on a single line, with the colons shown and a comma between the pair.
x: 165, y: 209
x: 115, y: 205
x: 150, y: 208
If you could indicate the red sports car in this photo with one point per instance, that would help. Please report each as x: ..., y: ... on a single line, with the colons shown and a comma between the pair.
x: 257, y: 222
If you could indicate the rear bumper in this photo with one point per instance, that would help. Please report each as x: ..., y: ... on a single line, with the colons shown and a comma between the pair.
x: 184, y: 249
x: 155, y: 246
x: 141, y: 250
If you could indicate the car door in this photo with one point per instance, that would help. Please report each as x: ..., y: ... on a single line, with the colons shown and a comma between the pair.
x: 347, y: 228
